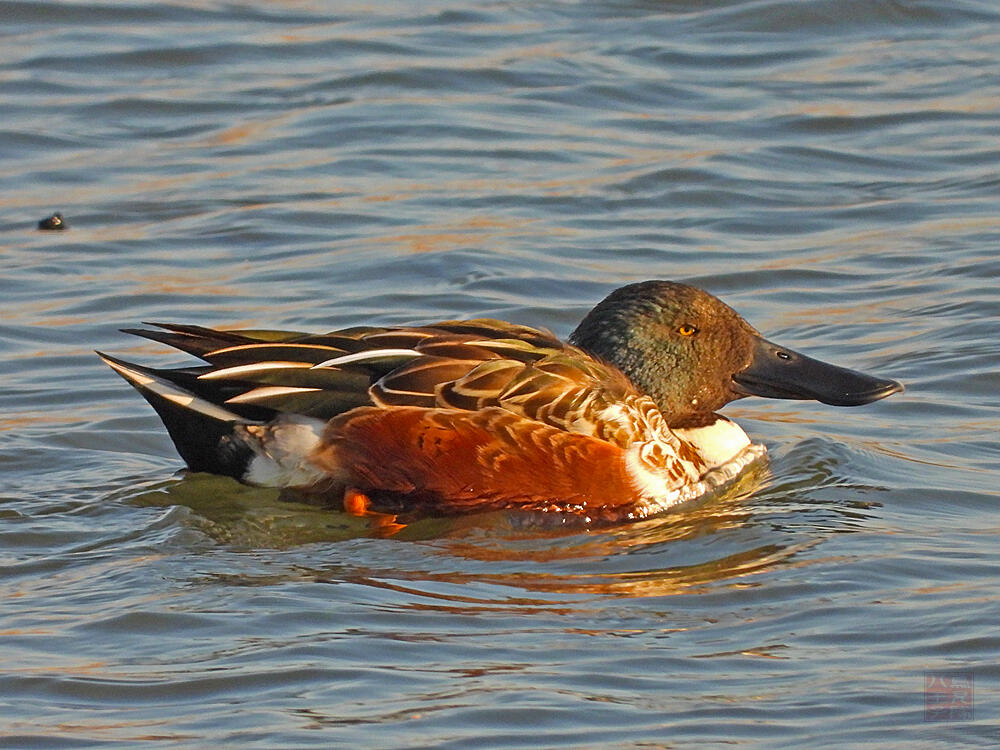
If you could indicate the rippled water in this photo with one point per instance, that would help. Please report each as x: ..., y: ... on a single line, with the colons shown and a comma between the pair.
x: 829, y: 167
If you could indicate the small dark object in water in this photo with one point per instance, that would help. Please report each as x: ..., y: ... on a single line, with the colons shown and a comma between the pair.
x: 55, y: 221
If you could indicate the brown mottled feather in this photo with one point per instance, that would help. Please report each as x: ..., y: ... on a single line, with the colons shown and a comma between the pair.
x: 417, y: 383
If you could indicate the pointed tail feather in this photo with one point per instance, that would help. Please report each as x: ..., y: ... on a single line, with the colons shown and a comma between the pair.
x: 202, y: 431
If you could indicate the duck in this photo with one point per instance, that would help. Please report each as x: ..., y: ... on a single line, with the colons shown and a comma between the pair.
x: 617, y: 423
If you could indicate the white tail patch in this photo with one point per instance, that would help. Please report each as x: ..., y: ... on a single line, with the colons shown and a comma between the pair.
x: 282, y: 449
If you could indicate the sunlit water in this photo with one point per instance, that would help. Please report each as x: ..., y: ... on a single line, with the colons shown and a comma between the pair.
x: 828, y: 167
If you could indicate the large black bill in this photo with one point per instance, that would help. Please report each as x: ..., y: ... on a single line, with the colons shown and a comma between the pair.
x: 776, y: 372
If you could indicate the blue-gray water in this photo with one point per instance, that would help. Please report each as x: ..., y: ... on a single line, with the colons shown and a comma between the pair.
x: 828, y: 167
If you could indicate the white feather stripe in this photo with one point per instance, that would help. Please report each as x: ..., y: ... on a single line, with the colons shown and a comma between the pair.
x: 373, y: 355
x: 176, y: 394
x: 240, y: 370
x: 269, y: 345
x: 399, y: 392
x: 268, y: 392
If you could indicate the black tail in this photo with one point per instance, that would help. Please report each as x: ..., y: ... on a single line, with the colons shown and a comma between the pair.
x: 202, y: 431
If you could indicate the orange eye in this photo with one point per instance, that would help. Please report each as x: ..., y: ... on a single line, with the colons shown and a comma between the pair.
x: 687, y: 330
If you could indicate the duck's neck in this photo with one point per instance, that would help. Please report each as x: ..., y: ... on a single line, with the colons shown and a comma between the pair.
x: 680, y: 420
x: 651, y: 379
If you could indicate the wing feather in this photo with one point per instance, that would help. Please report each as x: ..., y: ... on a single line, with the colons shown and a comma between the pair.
x: 465, y: 365
x: 292, y: 374
x: 240, y: 354
x: 322, y: 403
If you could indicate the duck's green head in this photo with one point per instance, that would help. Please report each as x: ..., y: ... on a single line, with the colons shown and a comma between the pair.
x: 693, y: 354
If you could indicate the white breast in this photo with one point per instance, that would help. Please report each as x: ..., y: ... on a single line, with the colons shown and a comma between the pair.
x: 716, y: 443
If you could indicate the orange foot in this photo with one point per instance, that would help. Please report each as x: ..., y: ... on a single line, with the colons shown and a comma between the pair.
x: 357, y: 503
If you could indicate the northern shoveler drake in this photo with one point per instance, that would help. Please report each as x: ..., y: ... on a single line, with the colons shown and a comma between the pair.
x: 466, y: 416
